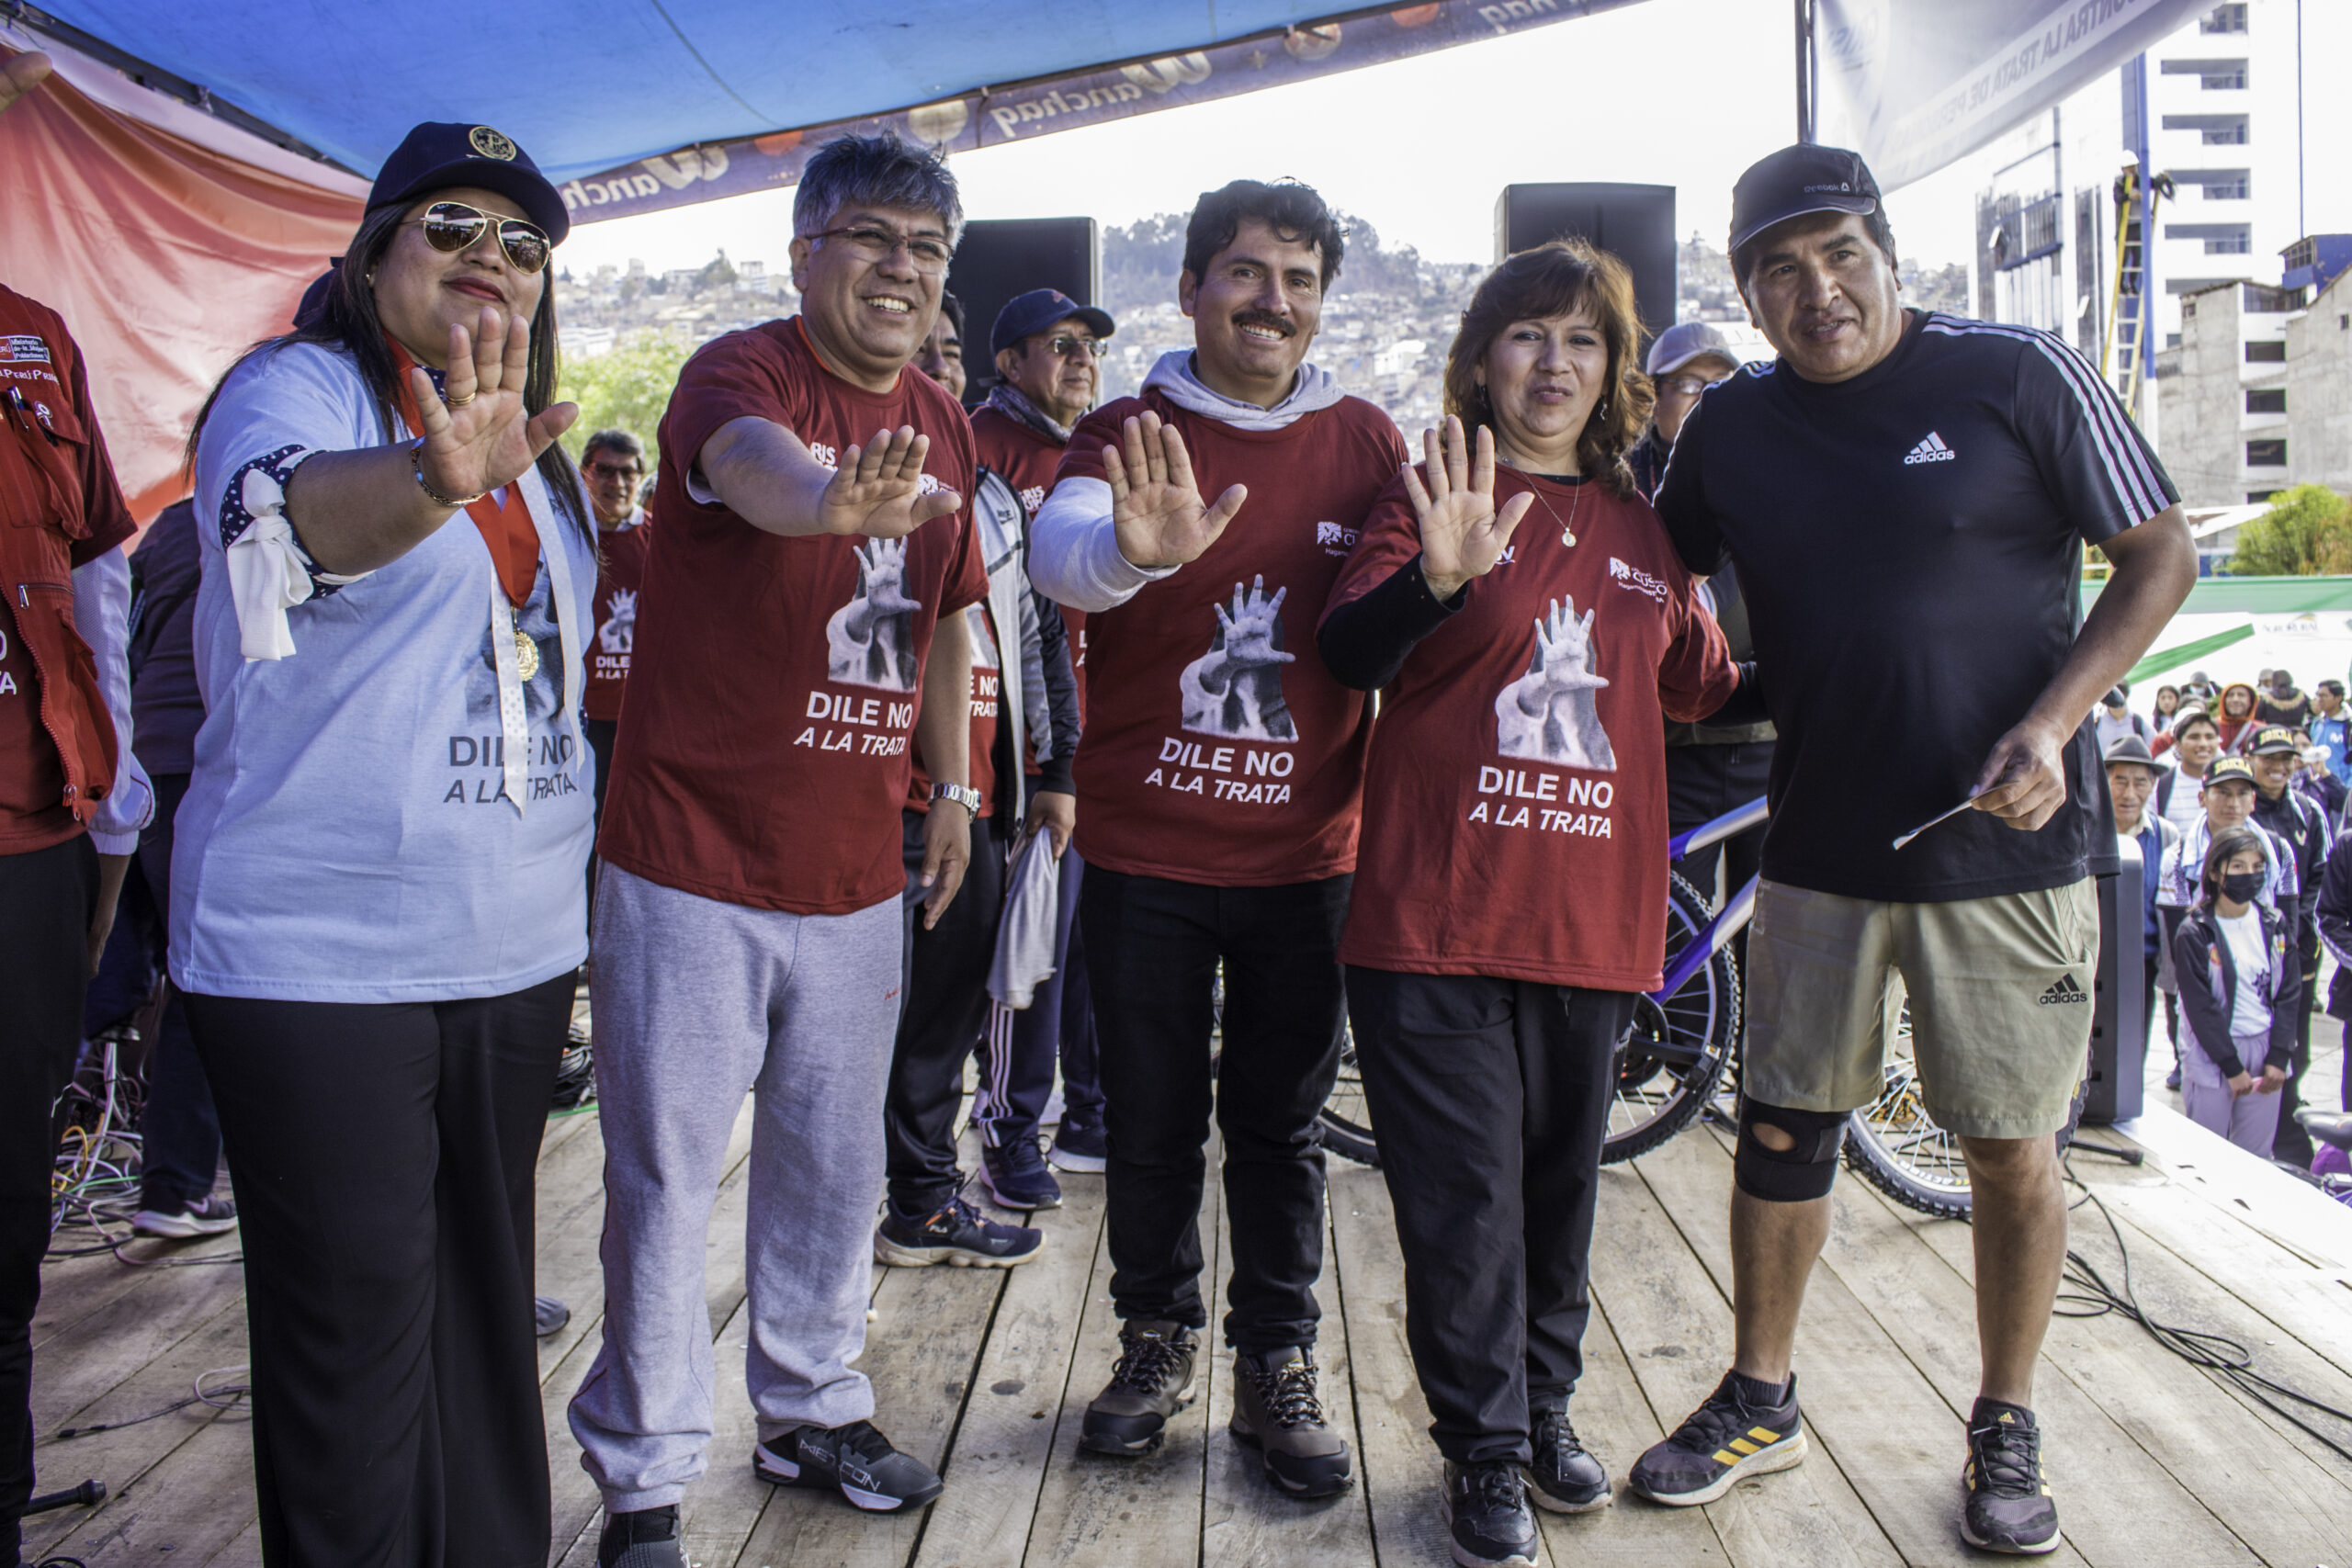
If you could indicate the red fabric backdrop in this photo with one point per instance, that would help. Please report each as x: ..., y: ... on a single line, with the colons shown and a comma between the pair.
x: 165, y: 258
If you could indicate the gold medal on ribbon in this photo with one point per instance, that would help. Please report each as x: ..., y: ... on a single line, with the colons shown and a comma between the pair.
x: 526, y: 656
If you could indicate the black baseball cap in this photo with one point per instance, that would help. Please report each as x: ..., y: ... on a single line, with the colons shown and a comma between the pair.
x: 2273, y: 740
x: 1040, y: 309
x: 437, y: 155
x: 2222, y: 770
x: 1796, y: 181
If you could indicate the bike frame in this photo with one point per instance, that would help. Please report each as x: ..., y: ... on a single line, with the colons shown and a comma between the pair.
x: 1737, y: 910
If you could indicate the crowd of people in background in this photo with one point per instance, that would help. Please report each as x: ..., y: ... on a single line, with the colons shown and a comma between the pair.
x: 888, y: 740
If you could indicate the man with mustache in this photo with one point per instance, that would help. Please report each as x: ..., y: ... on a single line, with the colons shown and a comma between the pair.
x: 1222, y: 771
x: 1906, y: 496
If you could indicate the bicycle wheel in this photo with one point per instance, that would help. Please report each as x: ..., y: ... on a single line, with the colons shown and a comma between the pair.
x: 1344, y: 1124
x: 1895, y: 1144
x: 1671, y: 1059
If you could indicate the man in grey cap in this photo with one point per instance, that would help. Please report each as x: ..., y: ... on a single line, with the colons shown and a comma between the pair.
x: 1688, y: 358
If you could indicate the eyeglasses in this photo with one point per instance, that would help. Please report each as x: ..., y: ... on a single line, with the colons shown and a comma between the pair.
x: 1688, y: 386
x: 929, y: 254
x: 608, y: 471
x: 452, y: 227
x: 1065, y: 347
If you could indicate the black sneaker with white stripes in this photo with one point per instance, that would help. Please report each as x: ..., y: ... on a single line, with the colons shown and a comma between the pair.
x: 856, y: 1460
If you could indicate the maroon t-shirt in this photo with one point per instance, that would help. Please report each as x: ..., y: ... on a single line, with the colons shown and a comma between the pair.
x: 1514, y: 817
x: 979, y: 769
x: 1028, y: 459
x: 765, y: 747
x: 619, y: 583
x: 65, y: 487
x: 1218, y: 750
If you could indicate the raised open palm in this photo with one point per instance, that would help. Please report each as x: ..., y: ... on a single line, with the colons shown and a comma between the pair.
x: 1462, y: 533
x: 478, y: 435
x: 880, y: 490
x: 1156, y: 503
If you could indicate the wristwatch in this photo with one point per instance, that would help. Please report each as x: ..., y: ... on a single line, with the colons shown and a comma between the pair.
x: 963, y: 796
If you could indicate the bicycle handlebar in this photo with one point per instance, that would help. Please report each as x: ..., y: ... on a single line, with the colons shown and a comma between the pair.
x: 1729, y: 825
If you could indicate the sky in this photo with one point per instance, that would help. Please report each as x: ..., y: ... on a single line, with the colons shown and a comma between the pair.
x: 1685, y: 92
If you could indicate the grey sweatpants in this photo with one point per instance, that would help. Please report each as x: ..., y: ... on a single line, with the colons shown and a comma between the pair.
x: 698, y: 1002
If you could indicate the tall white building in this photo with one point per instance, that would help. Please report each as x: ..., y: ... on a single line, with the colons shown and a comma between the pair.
x: 2218, y: 108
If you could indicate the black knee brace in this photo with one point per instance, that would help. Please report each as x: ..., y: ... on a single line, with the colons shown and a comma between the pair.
x: 1799, y: 1173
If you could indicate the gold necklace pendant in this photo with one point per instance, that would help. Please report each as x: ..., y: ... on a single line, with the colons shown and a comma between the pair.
x: 526, y: 655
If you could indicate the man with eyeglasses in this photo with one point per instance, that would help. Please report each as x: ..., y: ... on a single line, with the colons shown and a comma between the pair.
x: 1710, y: 768
x: 612, y: 462
x: 1046, y: 347
x: 941, y: 358
x: 799, y: 644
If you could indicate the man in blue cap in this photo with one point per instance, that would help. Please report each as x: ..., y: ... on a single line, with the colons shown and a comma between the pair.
x: 1906, y: 496
x: 1046, y: 348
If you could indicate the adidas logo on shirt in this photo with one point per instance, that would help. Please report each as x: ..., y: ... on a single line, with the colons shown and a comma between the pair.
x: 2065, y: 993
x: 1932, y: 450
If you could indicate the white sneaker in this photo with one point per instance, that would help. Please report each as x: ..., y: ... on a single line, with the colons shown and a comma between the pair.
x: 208, y: 1216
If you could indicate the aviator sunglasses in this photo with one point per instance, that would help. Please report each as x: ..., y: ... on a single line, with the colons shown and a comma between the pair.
x: 452, y: 227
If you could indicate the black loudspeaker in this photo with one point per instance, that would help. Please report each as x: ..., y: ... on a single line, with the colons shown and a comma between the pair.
x: 998, y: 258
x: 2118, y: 999
x: 1635, y: 223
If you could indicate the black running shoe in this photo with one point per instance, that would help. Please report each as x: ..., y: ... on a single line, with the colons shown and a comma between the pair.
x: 1487, y: 1516
x: 645, y: 1539
x: 1565, y: 1478
x: 855, y: 1459
x: 2010, y: 1507
x: 1017, y: 1177
x: 1152, y: 1381
x: 958, y: 1234
x: 1725, y: 1438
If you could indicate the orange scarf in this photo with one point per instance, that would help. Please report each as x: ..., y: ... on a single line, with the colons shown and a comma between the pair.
x: 507, y: 526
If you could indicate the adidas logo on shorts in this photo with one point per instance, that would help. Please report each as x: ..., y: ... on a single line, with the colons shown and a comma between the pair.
x: 1932, y: 450
x: 2064, y: 993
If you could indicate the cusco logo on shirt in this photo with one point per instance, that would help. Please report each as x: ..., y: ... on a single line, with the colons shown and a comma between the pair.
x: 23, y: 348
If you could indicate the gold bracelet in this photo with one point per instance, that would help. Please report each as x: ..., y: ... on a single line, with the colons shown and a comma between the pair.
x: 416, y: 464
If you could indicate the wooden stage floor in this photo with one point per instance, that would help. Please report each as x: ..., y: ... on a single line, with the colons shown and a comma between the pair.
x: 986, y: 1373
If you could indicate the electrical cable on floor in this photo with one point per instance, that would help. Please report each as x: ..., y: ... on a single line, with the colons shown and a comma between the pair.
x: 2092, y: 1296
x: 228, y: 1396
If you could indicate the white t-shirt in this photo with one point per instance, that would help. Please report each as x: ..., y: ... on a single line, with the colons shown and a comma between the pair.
x: 2251, y: 957
x: 347, y: 834
x: 2183, y: 809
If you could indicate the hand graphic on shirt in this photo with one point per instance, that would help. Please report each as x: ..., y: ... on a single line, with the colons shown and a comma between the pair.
x: 1462, y: 533
x: 1253, y: 631
x: 882, y: 579
x: 478, y: 435
x: 1549, y: 714
x: 878, y: 489
x: 1156, y: 503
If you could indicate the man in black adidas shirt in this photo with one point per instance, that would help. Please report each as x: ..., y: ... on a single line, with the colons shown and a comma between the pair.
x: 1906, y: 496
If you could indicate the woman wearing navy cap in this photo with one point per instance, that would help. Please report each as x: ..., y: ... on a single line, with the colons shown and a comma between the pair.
x: 377, y: 895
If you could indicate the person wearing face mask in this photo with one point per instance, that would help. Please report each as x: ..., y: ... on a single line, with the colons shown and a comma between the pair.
x: 1221, y: 770
x: 2302, y: 825
x: 378, y: 898
x: 1505, y: 766
x: 800, y: 643
x: 1830, y: 478
x: 2239, y: 982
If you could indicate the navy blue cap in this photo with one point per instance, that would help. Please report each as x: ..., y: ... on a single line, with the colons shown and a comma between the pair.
x: 436, y: 156
x: 1796, y: 181
x: 1040, y: 309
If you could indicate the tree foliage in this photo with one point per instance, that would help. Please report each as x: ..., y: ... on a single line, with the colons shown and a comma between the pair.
x: 2306, y: 533
x: 629, y: 388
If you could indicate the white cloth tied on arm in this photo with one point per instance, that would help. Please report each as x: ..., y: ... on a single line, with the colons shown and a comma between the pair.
x: 269, y: 573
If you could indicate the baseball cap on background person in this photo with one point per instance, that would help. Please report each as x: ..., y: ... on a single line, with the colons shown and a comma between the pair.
x: 2274, y: 739
x: 1025, y: 314
x: 1796, y: 181
x: 437, y: 155
x: 2130, y: 749
x: 1686, y: 341
x: 314, y: 308
x: 2222, y: 770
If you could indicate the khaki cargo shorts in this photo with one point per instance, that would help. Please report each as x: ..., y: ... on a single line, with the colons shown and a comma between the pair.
x: 2000, y: 995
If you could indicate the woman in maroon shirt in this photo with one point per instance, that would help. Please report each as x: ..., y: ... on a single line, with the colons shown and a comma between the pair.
x: 1531, y: 628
